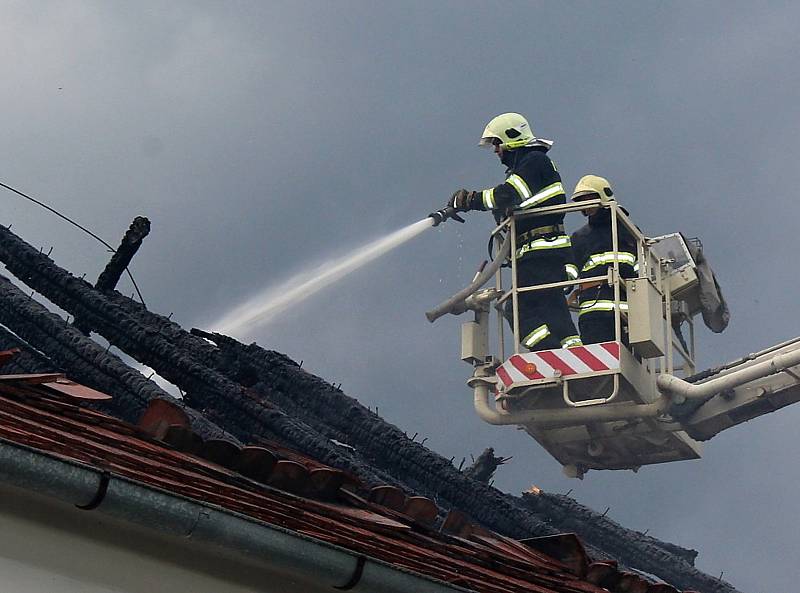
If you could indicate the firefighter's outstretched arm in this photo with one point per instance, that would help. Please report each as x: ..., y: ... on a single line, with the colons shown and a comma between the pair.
x: 500, y: 197
x: 460, y: 201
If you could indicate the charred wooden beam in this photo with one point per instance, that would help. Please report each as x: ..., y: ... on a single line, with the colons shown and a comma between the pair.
x: 85, y: 360
x: 107, y: 281
x: 484, y: 466
x: 655, y: 556
x: 28, y: 359
x: 139, y: 229
x: 248, y: 417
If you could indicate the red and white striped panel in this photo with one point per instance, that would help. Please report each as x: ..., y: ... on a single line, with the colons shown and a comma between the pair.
x: 547, y: 364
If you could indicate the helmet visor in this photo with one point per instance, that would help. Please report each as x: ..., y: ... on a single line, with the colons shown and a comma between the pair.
x: 489, y: 141
x: 585, y: 195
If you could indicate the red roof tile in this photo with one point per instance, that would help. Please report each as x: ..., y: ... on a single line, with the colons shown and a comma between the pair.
x: 287, y: 489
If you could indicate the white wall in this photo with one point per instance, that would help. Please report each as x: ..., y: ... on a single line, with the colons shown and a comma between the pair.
x: 56, y: 548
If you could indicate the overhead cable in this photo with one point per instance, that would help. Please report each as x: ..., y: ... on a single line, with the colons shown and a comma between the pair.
x: 73, y: 223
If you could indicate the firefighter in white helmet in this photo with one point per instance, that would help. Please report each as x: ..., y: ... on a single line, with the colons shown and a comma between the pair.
x: 543, y: 247
x: 593, y: 251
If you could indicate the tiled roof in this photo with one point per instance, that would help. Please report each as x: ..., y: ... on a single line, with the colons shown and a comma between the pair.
x: 280, y: 487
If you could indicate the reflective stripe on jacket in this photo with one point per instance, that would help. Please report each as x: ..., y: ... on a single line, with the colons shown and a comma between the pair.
x: 556, y: 242
x: 593, y: 248
x: 532, y: 182
x: 607, y: 258
x: 595, y: 306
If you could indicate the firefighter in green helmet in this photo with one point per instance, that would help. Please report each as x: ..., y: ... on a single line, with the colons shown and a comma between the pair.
x: 542, y: 246
x: 593, y: 250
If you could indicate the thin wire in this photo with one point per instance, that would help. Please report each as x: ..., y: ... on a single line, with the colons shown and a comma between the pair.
x: 84, y: 229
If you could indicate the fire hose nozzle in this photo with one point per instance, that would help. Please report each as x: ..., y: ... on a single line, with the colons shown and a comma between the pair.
x: 441, y: 215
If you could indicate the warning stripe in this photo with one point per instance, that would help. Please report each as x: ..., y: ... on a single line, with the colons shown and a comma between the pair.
x: 504, y: 376
x: 612, y: 348
x: 520, y: 364
x: 603, y: 355
x: 576, y: 363
x: 589, y: 359
x: 554, y: 361
x: 581, y: 360
x: 545, y: 369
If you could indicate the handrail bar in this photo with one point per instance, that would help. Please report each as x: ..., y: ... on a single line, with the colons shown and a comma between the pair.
x: 480, y: 279
x: 680, y: 350
x: 560, y: 284
x: 591, y: 402
x: 573, y: 207
x: 626, y: 220
x: 568, y: 207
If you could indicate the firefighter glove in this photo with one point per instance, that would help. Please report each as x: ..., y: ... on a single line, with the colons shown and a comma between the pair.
x: 461, y: 200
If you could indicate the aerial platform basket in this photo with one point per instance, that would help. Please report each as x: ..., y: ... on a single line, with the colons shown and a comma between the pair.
x: 629, y: 402
x: 544, y: 389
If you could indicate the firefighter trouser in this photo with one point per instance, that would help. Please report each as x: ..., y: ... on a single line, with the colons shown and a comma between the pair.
x: 596, y: 315
x: 544, y: 319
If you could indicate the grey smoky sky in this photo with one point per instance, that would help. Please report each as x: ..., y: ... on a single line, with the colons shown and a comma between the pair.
x: 261, y: 138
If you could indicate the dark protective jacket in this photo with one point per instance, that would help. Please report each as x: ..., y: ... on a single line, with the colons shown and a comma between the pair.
x: 593, y: 254
x: 532, y: 182
x: 593, y: 248
x: 542, y: 246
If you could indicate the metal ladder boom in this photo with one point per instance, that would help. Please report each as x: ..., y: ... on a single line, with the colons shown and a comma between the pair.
x: 761, y: 383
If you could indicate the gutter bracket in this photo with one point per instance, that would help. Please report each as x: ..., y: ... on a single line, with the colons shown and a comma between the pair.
x: 97, y: 499
x: 361, y: 561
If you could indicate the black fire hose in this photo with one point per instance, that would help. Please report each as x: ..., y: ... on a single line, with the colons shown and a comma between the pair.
x: 455, y: 304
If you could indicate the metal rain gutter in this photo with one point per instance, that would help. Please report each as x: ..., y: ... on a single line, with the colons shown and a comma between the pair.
x: 277, y: 548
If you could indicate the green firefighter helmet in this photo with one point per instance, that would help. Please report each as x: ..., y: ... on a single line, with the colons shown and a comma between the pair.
x: 510, y: 131
x: 591, y: 185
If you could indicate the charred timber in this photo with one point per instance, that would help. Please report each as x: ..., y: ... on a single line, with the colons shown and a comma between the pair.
x: 83, y: 359
x: 193, y: 364
x: 139, y: 229
x: 248, y: 417
x: 28, y: 359
x: 68, y: 347
x: 107, y: 281
x: 482, y: 470
x: 318, y: 402
x: 607, y: 534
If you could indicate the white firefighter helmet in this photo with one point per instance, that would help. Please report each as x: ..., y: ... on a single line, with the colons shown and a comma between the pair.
x: 512, y: 131
x: 591, y: 185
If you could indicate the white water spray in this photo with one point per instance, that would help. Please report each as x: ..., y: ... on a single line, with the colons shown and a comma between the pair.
x: 266, y: 305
